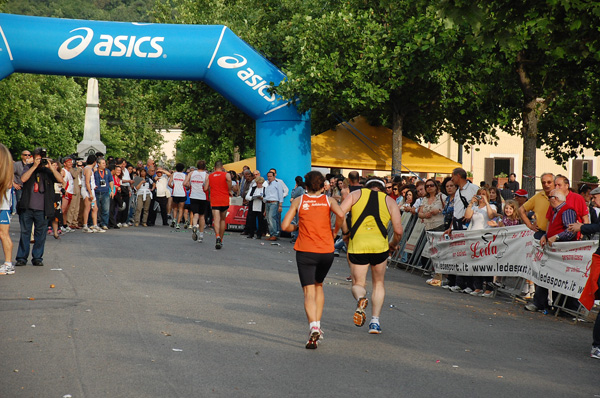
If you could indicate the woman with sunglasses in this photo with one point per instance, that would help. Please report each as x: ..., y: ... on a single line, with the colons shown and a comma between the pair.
x: 432, y: 207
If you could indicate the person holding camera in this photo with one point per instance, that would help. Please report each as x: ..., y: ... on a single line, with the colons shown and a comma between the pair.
x: 36, y: 206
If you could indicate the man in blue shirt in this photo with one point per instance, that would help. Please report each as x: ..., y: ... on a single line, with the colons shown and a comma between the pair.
x: 104, y: 192
x: 273, y: 204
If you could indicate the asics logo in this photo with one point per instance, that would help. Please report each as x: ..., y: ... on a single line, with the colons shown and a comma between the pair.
x: 143, y: 47
x: 225, y: 62
x: 64, y: 52
x: 247, y: 75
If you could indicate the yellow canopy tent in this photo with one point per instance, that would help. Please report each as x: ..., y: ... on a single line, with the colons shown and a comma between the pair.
x: 239, y: 165
x: 358, y: 145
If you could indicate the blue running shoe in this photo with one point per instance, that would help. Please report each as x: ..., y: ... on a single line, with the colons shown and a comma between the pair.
x: 374, y: 328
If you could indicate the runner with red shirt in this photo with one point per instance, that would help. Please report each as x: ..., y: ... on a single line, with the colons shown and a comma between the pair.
x: 218, y: 185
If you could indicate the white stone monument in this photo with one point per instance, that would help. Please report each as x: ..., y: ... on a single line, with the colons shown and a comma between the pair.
x: 91, y: 131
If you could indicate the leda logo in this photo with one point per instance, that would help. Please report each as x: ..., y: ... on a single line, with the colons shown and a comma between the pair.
x: 109, y: 46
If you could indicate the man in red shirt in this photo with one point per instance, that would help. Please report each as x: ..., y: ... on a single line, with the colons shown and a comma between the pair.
x: 574, y: 201
x: 218, y: 185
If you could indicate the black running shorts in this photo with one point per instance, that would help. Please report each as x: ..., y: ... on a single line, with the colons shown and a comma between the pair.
x: 313, y: 267
x: 368, y: 258
x: 220, y: 208
x: 198, y: 206
x: 179, y: 199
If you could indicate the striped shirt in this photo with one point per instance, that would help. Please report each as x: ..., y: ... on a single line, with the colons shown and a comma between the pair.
x: 568, y: 217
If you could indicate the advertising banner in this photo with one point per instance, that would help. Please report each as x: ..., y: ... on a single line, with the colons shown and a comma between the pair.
x: 512, y: 251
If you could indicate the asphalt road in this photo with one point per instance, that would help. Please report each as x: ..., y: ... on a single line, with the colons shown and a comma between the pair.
x: 147, y: 312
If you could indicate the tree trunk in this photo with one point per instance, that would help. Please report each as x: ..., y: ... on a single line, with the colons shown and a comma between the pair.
x: 397, y: 142
x: 529, y: 131
x: 533, y: 109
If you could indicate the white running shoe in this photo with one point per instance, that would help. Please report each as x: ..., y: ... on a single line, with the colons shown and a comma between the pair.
x: 87, y: 230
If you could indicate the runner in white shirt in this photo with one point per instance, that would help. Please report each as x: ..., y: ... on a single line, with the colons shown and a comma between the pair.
x: 6, y: 183
x: 176, y: 182
x: 68, y: 196
x: 195, y: 181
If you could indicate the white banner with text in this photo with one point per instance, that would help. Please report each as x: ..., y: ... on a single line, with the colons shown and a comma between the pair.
x: 512, y: 251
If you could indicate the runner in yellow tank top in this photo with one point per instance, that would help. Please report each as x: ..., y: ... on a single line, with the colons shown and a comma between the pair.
x: 368, y: 244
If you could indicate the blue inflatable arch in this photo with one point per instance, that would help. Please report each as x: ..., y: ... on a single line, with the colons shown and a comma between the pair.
x: 212, y: 54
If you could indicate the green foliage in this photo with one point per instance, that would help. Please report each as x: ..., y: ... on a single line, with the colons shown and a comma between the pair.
x: 587, y: 177
x: 128, y: 111
x: 556, y: 46
x: 103, y: 10
x: 42, y: 111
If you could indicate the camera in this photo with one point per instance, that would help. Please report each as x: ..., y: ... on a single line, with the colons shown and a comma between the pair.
x: 44, y: 154
x: 478, y: 197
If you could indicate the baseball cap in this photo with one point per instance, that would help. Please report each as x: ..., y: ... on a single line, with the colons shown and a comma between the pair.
x: 521, y: 192
x: 595, y: 191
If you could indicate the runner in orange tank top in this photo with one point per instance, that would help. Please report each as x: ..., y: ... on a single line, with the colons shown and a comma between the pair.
x: 218, y: 184
x: 314, y: 246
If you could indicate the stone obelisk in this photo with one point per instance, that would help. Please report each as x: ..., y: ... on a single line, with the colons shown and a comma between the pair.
x: 91, y: 131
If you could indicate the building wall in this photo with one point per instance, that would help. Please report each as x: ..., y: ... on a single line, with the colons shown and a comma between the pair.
x: 510, y: 147
x: 168, y: 147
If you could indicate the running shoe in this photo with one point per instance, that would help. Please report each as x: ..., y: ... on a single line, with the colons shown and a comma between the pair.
x: 173, y: 224
x: 3, y: 272
x: 218, y: 244
x: 177, y: 226
x: 10, y: 269
x: 374, y: 328
x: 87, y: 230
x: 97, y: 229
x: 195, y: 233
x: 595, y: 352
x: 186, y: 225
x: 313, y: 338
x: 359, y: 314
x: 201, y: 237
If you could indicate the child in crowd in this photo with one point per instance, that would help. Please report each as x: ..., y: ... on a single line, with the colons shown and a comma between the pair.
x: 510, y: 217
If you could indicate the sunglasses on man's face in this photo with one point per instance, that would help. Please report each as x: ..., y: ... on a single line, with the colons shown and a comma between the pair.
x: 26, y: 154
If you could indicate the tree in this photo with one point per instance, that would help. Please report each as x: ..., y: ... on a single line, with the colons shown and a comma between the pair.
x: 212, y: 126
x: 545, y: 59
x: 46, y: 111
x: 392, y: 61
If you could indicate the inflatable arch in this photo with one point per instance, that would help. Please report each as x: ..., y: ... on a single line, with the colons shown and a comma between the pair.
x: 210, y: 53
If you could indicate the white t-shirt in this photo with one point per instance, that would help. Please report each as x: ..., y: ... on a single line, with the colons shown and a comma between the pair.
x: 480, y: 218
x: 126, y: 176
x: 178, y: 189
x: 69, y: 180
x: 197, y: 185
x: 6, y: 200
x: 467, y: 192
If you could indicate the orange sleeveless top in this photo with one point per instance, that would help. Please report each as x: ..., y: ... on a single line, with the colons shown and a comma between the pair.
x: 219, y: 191
x: 314, y: 225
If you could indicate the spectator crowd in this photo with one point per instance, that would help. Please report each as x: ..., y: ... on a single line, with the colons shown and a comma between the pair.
x: 54, y: 197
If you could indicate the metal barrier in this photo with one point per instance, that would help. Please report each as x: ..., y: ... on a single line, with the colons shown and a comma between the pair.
x: 410, y: 250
